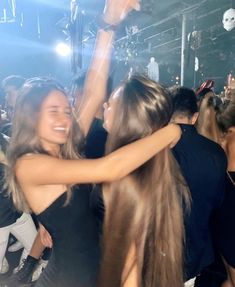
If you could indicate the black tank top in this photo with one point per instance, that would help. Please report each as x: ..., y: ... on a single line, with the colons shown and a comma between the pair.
x: 76, y: 253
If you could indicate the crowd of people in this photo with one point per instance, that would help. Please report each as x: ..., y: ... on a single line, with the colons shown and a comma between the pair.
x: 131, y: 186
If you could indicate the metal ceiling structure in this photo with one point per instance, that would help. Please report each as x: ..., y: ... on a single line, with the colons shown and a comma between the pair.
x: 165, y: 29
x: 160, y: 34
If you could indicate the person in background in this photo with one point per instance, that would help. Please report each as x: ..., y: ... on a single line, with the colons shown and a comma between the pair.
x: 10, y: 86
x: 153, y: 70
x: 20, y: 224
x: 209, y: 105
x: 203, y: 164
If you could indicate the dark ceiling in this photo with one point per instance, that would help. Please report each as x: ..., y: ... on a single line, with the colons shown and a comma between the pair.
x: 158, y: 33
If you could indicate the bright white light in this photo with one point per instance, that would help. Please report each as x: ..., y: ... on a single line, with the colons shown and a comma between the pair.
x: 63, y: 49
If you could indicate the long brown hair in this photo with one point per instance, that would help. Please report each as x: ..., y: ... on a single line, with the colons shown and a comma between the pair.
x: 24, y: 138
x: 144, y: 208
x: 206, y: 122
x: 226, y: 120
x: 226, y: 117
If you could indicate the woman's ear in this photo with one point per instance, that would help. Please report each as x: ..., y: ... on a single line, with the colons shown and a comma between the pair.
x: 194, y: 118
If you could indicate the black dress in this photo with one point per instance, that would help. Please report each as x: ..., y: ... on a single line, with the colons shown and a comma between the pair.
x: 75, y: 253
x: 225, y: 231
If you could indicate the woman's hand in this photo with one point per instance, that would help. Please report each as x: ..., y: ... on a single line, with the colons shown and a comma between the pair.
x: 116, y: 10
x: 45, y: 236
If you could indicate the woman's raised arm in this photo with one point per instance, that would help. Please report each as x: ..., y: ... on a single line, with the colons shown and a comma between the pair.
x: 96, y: 81
x: 45, y: 170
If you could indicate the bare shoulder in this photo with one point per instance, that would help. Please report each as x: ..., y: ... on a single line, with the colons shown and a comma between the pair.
x: 29, y: 160
x: 31, y: 157
x: 28, y: 165
x: 36, y: 159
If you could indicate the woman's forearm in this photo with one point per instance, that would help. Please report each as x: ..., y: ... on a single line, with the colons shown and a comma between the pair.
x: 96, y: 81
x: 36, y: 169
x: 95, y: 85
x: 126, y: 159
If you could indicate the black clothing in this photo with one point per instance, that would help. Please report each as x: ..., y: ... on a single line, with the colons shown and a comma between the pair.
x: 75, y: 254
x: 95, y: 140
x: 23, y: 277
x: 97, y: 206
x: 225, y: 231
x: 8, y: 213
x: 203, y: 164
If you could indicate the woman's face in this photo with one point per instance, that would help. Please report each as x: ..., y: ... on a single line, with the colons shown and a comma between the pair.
x: 54, y: 122
x: 110, y: 109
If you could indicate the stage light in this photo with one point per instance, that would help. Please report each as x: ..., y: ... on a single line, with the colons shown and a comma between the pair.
x: 63, y: 49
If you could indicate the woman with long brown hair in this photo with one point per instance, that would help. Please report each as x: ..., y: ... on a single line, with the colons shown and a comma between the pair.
x: 44, y: 164
x: 143, y: 227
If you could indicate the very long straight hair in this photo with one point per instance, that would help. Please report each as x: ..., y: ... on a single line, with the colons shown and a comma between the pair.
x: 145, y: 208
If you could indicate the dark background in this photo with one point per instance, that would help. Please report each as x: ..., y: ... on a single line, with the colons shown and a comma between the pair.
x: 27, y: 42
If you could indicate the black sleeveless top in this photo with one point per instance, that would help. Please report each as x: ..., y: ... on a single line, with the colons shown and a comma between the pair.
x: 75, y: 253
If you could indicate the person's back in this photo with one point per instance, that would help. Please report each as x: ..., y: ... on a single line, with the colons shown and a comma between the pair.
x: 203, y: 164
x: 11, y: 87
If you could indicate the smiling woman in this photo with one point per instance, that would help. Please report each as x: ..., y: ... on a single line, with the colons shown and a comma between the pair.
x: 55, y: 122
x: 44, y: 163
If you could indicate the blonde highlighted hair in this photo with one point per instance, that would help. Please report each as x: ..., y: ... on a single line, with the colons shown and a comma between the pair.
x: 24, y: 138
x: 206, y: 122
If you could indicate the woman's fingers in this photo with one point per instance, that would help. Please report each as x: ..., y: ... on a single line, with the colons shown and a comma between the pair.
x: 45, y: 237
x: 116, y: 10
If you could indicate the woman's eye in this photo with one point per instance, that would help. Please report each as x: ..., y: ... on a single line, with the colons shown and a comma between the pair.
x: 68, y: 113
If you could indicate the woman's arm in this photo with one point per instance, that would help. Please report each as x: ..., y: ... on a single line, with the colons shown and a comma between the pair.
x: 95, y: 85
x: 45, y: 170
x: 96, y: 81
